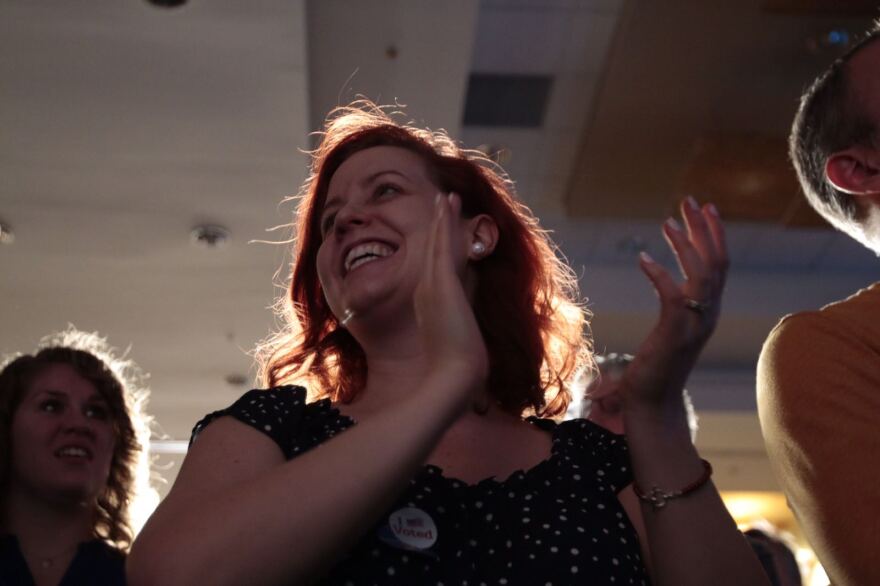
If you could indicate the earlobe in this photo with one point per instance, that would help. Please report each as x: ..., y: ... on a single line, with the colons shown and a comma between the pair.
x: 855, y: 170
x: 484, y: 237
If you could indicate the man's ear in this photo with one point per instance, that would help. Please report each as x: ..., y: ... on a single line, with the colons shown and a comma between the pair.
x: 483, y: 236
x: 855, y: 170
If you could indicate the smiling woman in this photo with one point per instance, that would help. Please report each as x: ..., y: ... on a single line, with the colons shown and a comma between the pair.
x: 72, y: 441
x: 408, y: 435
x: 366, y: 163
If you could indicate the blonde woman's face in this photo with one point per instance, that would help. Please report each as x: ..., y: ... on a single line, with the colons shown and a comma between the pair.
x: 62, y: 437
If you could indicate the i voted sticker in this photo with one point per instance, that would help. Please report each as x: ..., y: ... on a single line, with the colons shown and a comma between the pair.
x: 413, y: 527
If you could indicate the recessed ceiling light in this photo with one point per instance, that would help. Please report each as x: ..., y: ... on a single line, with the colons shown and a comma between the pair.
x: 6, y: 234
x: 236, y: 379
x: 209, y: 236
x: 167, y: 3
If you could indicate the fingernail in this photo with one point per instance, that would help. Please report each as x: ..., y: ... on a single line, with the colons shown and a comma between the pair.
x: 713, y: 210
x: 673, y: 224
x: 646, y: 257
x: 692, y: 203
x: 438, y: 198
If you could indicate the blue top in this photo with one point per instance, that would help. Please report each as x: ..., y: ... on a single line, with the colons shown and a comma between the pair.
x: 95, y: 563
x: 557, y: 523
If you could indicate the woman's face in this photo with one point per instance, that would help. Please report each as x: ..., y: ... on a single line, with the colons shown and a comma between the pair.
x: 62, y: 437
x: 375, y: 226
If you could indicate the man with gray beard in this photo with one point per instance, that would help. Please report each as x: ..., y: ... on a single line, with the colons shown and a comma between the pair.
x: 819, y: 371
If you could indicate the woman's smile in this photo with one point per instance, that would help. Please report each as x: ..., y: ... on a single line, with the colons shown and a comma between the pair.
x: 366, y: 252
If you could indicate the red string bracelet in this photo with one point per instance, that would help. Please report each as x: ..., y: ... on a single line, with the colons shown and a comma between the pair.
x: 658, y: 498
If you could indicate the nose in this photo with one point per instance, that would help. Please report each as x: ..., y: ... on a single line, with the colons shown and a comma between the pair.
x: 76, y: 422
x: 350, y: 216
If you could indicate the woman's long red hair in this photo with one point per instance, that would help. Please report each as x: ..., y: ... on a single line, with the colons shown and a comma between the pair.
x: 525, y: 300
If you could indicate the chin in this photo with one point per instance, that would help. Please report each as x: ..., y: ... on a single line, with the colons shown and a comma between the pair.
x: 374, y: 296
x: 77, y: 490
x: 382, y: 310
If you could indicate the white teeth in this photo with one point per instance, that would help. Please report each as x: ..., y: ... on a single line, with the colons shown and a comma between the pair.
x: 72, y: 451
x: 364, y: 253
x: 362, y: 261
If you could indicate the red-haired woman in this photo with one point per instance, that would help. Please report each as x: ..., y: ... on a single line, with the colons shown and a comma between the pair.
x: 429, y: 317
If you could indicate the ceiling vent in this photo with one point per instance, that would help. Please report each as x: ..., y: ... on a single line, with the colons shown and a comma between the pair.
x: 507, y: 100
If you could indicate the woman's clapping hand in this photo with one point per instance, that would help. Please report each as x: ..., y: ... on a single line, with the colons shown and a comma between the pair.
x: 451, y: 336
x: 689, y: 309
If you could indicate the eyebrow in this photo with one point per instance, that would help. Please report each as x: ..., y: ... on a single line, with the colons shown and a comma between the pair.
x: 335, y: 200
x: 95, y: 398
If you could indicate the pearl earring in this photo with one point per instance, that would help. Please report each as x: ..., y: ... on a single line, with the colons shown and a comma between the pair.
x: 478, y: 248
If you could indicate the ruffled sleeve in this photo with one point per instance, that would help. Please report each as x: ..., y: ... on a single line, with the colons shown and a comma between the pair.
x: 278, y: 412
x: 595, y: 448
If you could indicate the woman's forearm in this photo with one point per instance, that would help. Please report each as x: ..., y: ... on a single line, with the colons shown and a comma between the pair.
x: 290, y: 522
x: 693, y: 539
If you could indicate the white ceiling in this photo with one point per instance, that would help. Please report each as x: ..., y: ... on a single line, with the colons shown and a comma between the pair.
x: 122, y: 126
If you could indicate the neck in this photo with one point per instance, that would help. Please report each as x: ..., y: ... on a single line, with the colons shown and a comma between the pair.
x: 396, y: 363
x: 45, y: 527
x: 871, y: 226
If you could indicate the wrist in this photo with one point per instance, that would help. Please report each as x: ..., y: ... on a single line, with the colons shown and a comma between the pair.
x: 657, y: 498
x: 448, y: 388
x: 460, y: 373
x: 669, y: 413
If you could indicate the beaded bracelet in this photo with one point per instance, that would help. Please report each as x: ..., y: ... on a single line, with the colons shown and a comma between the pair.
x: 657, y: 498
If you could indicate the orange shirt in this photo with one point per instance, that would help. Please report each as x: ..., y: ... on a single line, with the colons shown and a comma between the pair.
x: 819, y: 405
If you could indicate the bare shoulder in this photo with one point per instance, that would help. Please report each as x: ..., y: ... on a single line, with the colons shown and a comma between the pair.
x: 225, y: 453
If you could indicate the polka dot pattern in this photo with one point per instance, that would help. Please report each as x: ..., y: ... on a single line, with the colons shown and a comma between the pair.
x: 558, y: 522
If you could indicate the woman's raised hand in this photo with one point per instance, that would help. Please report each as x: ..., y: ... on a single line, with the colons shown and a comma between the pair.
x: 452, y: 338
x: 689, y: 310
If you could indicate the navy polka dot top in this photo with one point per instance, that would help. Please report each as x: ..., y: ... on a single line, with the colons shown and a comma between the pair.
x: 557, y: 523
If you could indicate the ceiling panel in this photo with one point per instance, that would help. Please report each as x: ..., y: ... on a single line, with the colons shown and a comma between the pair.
x: 412, y: 52
x: 680, y: 71
x: 568, y: 42
x: 750, y: 178
x: 499, y: 46
x: 125, y: 125
x: 589, y: 37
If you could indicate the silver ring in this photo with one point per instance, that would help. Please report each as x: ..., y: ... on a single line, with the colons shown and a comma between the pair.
x: 696, y: 306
